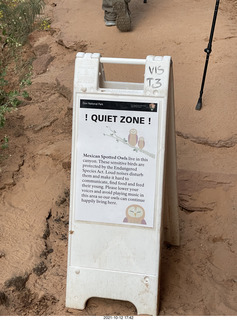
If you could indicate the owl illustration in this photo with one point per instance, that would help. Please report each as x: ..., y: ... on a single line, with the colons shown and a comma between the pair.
x: 132, y: 137
x: 141, y: 143
x: 135, y: 214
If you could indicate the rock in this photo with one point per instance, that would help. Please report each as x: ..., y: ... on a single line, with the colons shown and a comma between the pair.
x: 64, y: 82
x: 41, y: 63
x: 41, y: 49
x: 79, y: 46
x: 45, y: 124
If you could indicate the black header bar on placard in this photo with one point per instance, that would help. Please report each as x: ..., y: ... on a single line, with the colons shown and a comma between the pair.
x: 118, y: 105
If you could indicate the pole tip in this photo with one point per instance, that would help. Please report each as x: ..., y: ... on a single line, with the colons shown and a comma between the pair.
x: 199, y: 104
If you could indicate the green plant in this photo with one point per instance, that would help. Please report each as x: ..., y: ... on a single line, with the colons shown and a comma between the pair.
x: 5, y: 143
x: 10, y: 99
x: 45, y: 24
x: 17, y: 20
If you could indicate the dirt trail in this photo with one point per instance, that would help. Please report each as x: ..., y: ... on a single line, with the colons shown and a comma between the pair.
x: 199, y: 277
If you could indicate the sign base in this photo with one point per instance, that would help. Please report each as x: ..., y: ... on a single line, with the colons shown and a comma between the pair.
x: 113, y: 285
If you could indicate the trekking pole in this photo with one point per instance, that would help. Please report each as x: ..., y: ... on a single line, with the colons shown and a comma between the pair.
x: 208, y: 51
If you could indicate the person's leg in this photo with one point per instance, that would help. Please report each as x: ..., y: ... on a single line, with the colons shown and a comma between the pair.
x: 117, y: 10
x: 109, y: 14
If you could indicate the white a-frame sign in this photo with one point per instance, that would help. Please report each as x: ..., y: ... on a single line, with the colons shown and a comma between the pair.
x: 123, y: 183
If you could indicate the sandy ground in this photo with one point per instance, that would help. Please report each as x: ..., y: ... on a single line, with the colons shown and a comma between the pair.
x: 200, y: 276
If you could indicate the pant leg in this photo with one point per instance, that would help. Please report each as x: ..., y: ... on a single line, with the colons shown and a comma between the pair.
x: 107, y: 6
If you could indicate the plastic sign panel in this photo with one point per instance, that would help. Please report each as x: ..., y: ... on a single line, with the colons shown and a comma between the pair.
x: 123, y: 199
x: 116, y: 162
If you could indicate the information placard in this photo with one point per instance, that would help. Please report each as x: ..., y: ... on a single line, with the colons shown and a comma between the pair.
x: 116, y: 157
x: 123, y: 199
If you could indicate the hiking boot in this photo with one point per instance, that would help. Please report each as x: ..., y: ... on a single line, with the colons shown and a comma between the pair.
x: 123, y: 20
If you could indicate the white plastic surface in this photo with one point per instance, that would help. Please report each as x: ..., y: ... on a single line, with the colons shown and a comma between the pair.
x: 121, y: 261
x: 123, y: 61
